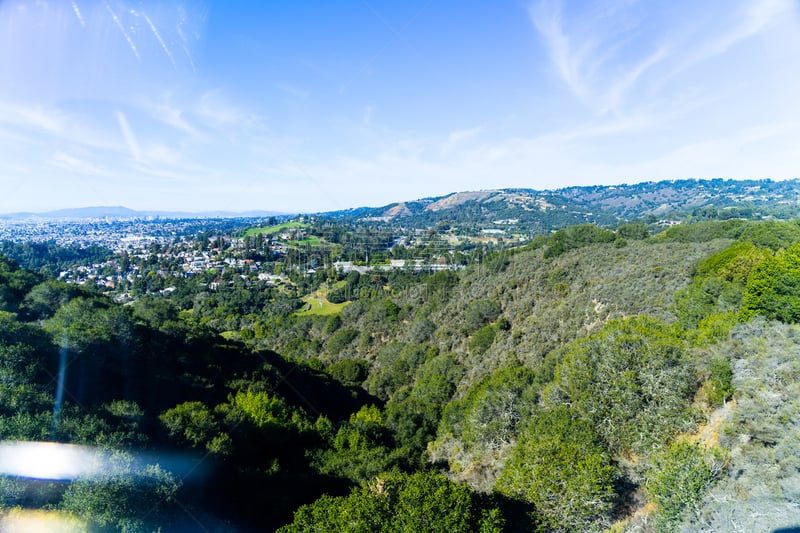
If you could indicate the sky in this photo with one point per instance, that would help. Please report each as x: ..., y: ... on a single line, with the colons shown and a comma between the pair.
x: 307, y: 106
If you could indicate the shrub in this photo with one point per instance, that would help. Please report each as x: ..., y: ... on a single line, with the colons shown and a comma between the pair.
x: 678, y: 481
x: 560, y: 467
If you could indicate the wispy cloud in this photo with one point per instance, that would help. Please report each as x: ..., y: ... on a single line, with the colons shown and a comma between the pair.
x: 456, y: 138
x: 592, y: 55
x: 753, y: 19
x: 127, y: 133
x: 214, y: 108
x: 35, y: 117
x: 294, y: 92
x: 613, y: 58
x: 77, y: 165
x: 747, y: 21
x: 40, y: 125
x: 167, y: 112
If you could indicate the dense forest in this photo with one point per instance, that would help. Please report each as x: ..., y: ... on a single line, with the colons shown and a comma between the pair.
x: 589, y: 380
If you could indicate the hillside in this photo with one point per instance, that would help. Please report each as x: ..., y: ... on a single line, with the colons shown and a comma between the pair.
x: 543, y: 211
x: 590, y: 379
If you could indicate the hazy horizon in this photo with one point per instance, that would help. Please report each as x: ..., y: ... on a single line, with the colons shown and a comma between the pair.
x: 212, y: 106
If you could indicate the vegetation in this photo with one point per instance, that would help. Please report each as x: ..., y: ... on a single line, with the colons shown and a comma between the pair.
x: 275, y: 228
x: 592, y: 379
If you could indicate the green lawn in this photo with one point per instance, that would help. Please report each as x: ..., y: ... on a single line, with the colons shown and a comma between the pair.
x: 311, y: 240
x: 269, y: 230
x: 318, y: 304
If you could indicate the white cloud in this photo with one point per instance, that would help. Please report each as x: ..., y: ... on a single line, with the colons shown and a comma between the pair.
x: 76, y: 165
x: 568, y: 62
x: 35, y: 117
x: 607, y: 58
x: 167, y: 112
x: 294, y: 92
x: 130, y: 138
x: 458, y: 137
x: 40, y: 125
x: 216, y: 110
x: 366, y: 119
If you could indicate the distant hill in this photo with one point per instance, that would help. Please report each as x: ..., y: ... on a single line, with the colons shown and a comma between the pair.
x: 530, y: 209
x: 124, y: 212
x: 535, y: 211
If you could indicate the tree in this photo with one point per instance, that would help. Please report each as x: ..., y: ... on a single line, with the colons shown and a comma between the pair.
x: 559, y: 465
x: 678, y: 481
x: 399, y: 503
x: 360, y: 449
x: 773, y: 287
x: 125, y: 497
x: 631, y: 381
x: 487, y: 417
x: 479, y: 313
x: 190, y: 422
x: 44, y: 299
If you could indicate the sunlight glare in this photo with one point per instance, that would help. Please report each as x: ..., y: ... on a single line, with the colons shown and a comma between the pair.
x: 46, y: 460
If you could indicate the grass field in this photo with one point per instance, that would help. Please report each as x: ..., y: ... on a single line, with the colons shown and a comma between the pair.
x: 308, y: 241
x: 270, y: 230
x: 318, y: 304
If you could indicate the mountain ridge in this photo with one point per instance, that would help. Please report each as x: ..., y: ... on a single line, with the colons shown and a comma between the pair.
x: 92, y: 212
x: 598, y: 204
x: 532, y: 208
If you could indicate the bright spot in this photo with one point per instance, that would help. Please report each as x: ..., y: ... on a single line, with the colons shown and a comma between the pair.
x: 21, y: 521
x: 47, y: 460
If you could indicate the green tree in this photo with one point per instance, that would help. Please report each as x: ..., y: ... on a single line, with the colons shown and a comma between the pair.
x: 678, y: 481
x: 482, y: 339
x: 124, y: 498
x: 559, y: 465
x: 479, y: 313
x: 771, y: 234
x: 190, y: 422
x: 398, y: 503
x: 632, y: 381
x: 773, y: 287
x: 360, y: 449
x: 487, y: 417
x: 44, y: 299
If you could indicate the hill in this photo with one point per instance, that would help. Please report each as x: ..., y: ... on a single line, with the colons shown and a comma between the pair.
x: 119, y: 212
x: 542, y: 211
x: 536, y: 211
x: 590, y: 379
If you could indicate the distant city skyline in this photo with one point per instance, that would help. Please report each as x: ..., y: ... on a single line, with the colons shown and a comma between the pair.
x: 307, y: 107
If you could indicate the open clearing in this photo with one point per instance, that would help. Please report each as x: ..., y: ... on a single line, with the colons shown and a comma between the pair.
x: 317, y: 304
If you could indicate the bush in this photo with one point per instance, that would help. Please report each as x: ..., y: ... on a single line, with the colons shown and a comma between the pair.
x: 560, y: 467
x: 772, y: 234
x: 486, y: 418
x: 340, y: 340
x: 125, y: 498
x: 678, y: 481
x: 773, y: 287
x: 396, y: 365
x: 350, y: 372
x: 705, y: 231
x: 479, y: 313
x: 720, y: 381
x: 397, y: 503
x: 631, y: 380
x: 482, y: 339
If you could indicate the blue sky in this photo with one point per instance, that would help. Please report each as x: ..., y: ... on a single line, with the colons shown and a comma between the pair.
x: 316, y: 106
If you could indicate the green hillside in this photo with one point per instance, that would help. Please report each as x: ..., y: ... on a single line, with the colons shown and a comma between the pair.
x: 590, y: 380
x: 277, y: 228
